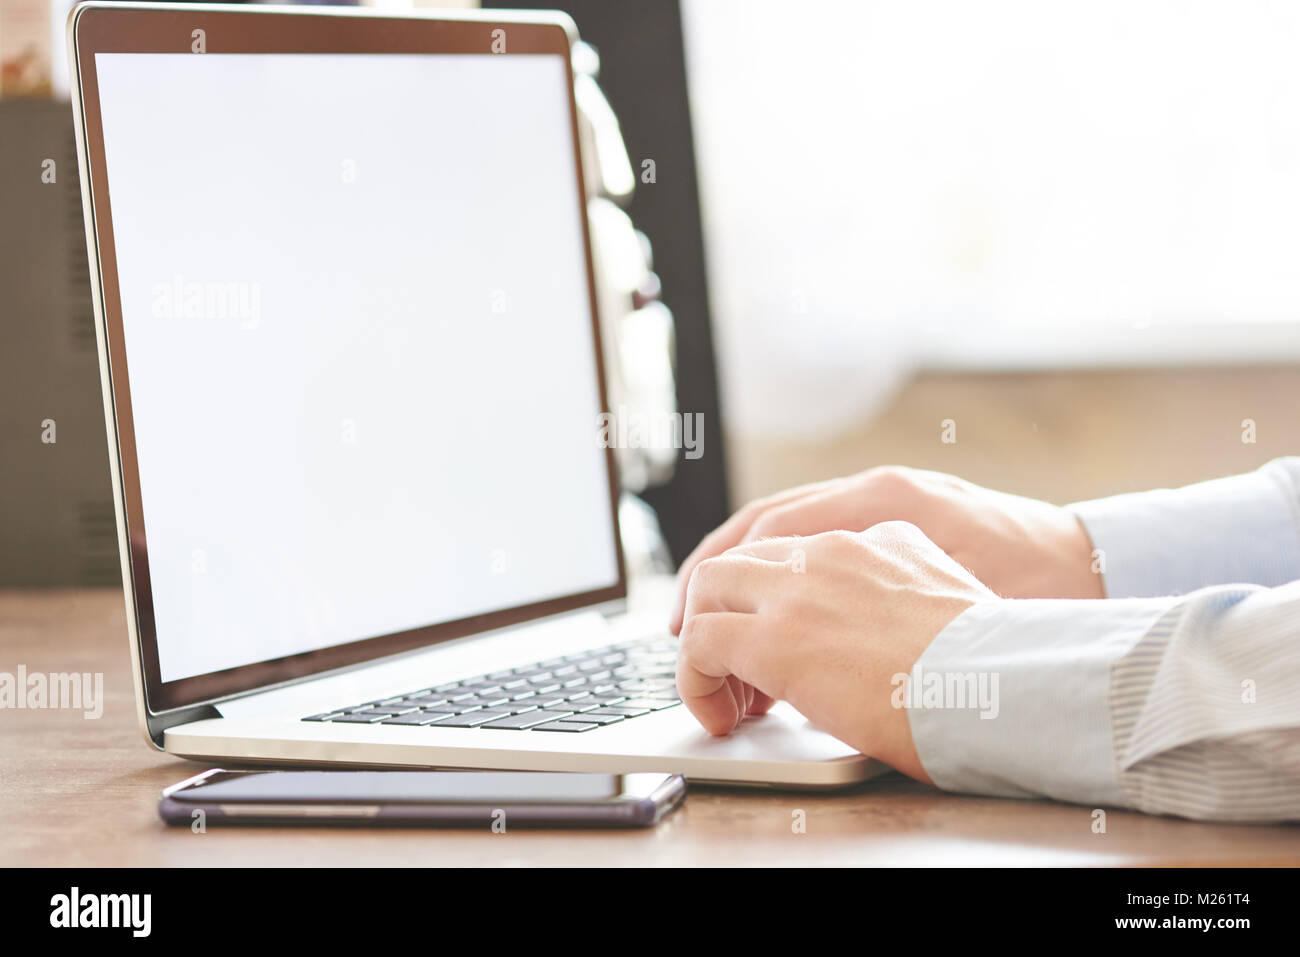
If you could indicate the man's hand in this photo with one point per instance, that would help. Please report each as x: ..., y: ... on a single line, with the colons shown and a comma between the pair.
x: 1019, y: 547
x: 825, y: 623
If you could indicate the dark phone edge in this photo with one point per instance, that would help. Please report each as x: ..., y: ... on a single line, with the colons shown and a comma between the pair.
x: 612, y: 814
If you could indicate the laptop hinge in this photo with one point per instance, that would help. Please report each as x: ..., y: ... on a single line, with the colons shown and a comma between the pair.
x: 614, y: 608
x: 158, y: 723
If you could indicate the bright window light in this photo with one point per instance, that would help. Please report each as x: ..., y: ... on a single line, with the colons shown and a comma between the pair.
x: 1010, y: 183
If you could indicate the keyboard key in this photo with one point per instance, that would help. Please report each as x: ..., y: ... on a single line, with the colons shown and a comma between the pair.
x: 327, y: 716
x: 655, y: 681
x: 360, y: 718
x: 449, y: 686
x: 427, y: 700
x: 620, y: 710
x: 548, y: 700
x: 654, y: 704
x: 451, y: 708
x: 415, y: 717
x: 389, y: 710
x: 582, y: 704
x: 606, y: 699
x: 546, y: 687
x: 520, y: 722
x: 489, y: 701
x: 471, y: 720
x: 601, y: 719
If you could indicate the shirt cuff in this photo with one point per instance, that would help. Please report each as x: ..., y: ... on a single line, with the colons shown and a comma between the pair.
x: 1012, y: 698
x: 1233, y: 530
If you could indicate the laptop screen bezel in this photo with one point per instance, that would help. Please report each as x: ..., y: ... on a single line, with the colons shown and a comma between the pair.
x: 170, y: 30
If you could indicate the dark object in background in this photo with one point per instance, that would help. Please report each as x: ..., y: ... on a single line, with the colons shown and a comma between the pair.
x: 643, y: 74
x: 56, y: 510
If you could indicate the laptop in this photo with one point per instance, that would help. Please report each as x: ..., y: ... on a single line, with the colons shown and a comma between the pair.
x: 352, y: 376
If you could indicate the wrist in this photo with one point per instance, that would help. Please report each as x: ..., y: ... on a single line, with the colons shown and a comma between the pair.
x: 1077, y: 566
x: 898, y: 749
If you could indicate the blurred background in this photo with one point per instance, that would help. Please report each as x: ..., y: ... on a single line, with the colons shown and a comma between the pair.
x: 1073, y: 228
x: 1052, y: 246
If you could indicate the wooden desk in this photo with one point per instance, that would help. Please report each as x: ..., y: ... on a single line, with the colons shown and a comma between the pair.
x: 80, y: 792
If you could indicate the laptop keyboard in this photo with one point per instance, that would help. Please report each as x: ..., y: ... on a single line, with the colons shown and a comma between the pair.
x: 571, y: 694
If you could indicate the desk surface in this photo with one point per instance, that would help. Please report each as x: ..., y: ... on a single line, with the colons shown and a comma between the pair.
x: 77, y: 792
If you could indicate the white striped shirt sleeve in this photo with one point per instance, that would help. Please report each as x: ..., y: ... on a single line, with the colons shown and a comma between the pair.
x: 1205, y: 709
x: 1186, y: 704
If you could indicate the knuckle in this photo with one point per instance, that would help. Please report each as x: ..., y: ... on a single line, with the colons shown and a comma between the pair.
x: 713, y: 542
x: 906, y: 530
x: 836, y: 542
x: 891, y: 480
x: 753, y: 511
x: 706, y: 572
x: 692, y: 633
x: 698, y: 635
x: 898, y: 526
x: 775, y: 523
x: 898, y: 531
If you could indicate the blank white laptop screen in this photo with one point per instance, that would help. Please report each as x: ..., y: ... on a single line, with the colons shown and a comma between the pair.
x: 359, y: 344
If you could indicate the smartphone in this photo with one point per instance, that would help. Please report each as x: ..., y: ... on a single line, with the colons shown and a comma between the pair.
x: 421, y: 798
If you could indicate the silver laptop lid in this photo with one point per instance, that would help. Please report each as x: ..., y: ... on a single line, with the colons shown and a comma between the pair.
x: 348, y: 331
